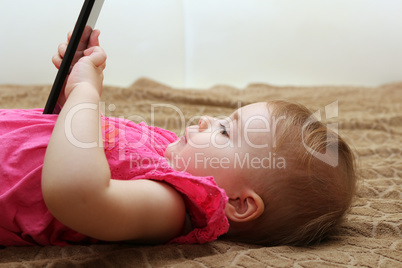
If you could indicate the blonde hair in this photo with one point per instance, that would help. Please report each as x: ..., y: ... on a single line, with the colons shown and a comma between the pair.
x: 307, y: 200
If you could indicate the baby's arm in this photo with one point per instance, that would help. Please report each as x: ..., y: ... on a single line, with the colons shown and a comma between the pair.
x: 76, y: 181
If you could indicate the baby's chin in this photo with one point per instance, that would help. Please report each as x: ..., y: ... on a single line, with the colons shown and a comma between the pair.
x: 171, y: 157
x: 169, y: 152
x: 176, y: 167
x: 179, y: 165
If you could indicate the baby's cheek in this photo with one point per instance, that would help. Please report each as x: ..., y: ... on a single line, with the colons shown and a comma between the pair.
x: 256, y: 140
x: 219, y: 141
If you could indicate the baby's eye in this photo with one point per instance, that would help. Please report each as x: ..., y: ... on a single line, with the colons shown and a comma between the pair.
x: 223, y: 130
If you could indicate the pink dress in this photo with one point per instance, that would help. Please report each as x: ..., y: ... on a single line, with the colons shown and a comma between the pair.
x: 134, y: 151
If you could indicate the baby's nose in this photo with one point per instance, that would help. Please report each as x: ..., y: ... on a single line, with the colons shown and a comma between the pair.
x: 205, y: 122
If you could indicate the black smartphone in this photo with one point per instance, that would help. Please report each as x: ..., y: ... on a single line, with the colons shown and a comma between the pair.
x: 80, y: 36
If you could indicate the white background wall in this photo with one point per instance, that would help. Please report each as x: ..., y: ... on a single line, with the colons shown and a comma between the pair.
x: 200, y: 43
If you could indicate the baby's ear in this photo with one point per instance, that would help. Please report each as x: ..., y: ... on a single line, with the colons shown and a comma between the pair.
x: 245, y: 208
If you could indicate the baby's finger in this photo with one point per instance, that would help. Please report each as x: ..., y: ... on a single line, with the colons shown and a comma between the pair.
x: 103, y: 66
x: 94, y: 39
x: 57, y: 61
x: 69, y: 34
x: 97, y: 55
x: 62, y: 49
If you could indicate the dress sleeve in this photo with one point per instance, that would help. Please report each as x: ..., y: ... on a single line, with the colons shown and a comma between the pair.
x: 205, y: 203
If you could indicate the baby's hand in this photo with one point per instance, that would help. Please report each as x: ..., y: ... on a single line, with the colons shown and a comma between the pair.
x: 58, y: 57
x: 88, y: 70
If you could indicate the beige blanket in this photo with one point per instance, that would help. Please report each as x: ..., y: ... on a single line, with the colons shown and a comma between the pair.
x: 369, y: 118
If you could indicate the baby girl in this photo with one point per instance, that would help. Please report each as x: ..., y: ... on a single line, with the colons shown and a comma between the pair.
x: 268, y: 174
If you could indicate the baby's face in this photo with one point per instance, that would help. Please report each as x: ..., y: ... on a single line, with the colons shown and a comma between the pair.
x: 227, y: 149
